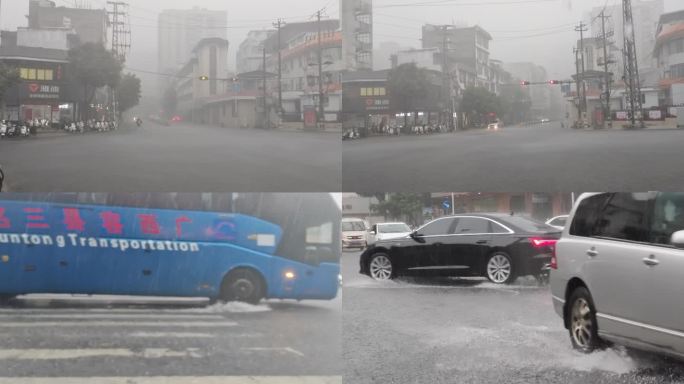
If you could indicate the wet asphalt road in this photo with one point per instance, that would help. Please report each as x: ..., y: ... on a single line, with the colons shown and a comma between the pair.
x: 88, y: 338
x: 180, y: 158
x: 471, y: 331
x: 543, y: 157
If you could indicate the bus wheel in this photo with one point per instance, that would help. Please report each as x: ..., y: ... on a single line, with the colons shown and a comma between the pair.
x: 242, y: 285
x: 5, y: 299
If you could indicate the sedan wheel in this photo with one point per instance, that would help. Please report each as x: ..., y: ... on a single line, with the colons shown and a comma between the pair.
x: 381, y: 267
x: 499, y: 269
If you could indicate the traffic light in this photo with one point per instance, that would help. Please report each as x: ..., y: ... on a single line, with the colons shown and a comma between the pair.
x: 554, y: 82
x: 204, y: 78
x: 524, y: 83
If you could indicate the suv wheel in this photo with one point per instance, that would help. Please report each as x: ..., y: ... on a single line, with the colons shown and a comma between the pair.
x: 500, y: 269
x: 582, y: 321
x: 380, y: 267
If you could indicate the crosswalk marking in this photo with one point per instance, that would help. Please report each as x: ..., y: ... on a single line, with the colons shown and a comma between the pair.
x: 78, y: 324
x: 178, y: 380
x: 62, y: 354
x: 162, y: 317
x: 171, y: 335
x: 286, y: 350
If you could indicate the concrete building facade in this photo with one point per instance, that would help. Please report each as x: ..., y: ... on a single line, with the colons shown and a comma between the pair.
x: 250, y: 52
x: 300, y: 75
x: 669, y: 54
x: 356, y: 22
x: 90, y: 24
x: 181, y: 30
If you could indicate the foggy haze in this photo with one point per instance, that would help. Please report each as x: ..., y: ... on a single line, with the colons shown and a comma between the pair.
x: 540, y: 31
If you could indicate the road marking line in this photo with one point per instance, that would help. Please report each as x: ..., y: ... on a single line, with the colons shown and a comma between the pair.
x: 65, y: 354
x: 178, y: 335
x: 286, y: 350
x: 177, y: 380
x: 111, y: 316
x: 77, y: 324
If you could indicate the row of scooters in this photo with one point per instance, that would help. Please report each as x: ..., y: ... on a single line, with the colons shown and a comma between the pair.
x: 16, y: 129
x: 91, y: 126
x: 353, y: 134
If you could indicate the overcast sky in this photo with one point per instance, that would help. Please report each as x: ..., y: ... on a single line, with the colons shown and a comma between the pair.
x: 539, y: 31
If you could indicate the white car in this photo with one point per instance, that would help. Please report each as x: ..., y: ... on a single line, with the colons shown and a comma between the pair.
x: 387, y: 231
x: 354, y: 233
x: 495, y: 126
x: 558, y: 222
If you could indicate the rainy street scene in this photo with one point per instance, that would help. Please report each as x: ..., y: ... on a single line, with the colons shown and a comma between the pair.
x: 461, y: 287
x: 170, y: 288
x: 82, y: 339
x: 184, y: 157
x: 472, y: 331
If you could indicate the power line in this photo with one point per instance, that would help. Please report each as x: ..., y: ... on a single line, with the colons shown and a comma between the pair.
x: 452, y: 3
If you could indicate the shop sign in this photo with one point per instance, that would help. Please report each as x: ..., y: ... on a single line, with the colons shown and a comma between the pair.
x: 43, y: 91
x: 377, y: 104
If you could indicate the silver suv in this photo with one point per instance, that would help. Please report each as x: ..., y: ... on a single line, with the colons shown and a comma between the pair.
x: 618, y: 272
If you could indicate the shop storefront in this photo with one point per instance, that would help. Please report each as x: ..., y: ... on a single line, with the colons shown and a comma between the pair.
x: 41, y: 94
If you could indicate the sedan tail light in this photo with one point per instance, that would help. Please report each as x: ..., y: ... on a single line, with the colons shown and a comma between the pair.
x: 538, y: 242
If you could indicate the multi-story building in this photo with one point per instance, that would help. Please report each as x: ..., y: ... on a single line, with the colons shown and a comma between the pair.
x: 42, y: 92
x: 181, y: 30
x: 645, y: 13
x: 196, y: 96
x: 669, y: 54
x: 250, y: 52
x: 90, y: 24
x: 468, y: 47
x: 356, y: 21
x: 300, y: 68
x: 540, y: 95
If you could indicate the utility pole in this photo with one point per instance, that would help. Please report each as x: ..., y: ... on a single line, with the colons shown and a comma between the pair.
x: 632, y: 81
x: 581, y: 28
x: 266, y: 117
x: 279, y: 24
x: 446, y: 78
x: 579, y: 89
x: 607, y: 76
x: 321, y: 106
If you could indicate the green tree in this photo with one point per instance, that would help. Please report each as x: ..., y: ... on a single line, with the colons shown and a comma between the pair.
x: 128, y: 92
x: 516, y: 104
x: 93, y: 67
x: 477, y: 103
x: 9, y: 76
x: 170, y: 102
x: 400, y: 205
x: 409, y: 88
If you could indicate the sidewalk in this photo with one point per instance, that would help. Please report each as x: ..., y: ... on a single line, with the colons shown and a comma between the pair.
x: 299, y: 127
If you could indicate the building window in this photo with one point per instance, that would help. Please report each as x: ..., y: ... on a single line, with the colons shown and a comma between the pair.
x: 364, y: 91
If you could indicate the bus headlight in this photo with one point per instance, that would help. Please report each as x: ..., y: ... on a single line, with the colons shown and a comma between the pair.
x: 289, y: 275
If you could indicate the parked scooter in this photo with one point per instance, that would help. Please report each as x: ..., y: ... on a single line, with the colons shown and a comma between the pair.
x: 351, y: 135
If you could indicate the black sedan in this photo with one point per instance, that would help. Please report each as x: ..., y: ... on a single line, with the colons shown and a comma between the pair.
x: 498, y: 246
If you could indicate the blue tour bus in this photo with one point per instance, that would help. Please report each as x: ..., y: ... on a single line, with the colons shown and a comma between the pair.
x: 227, y: 247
